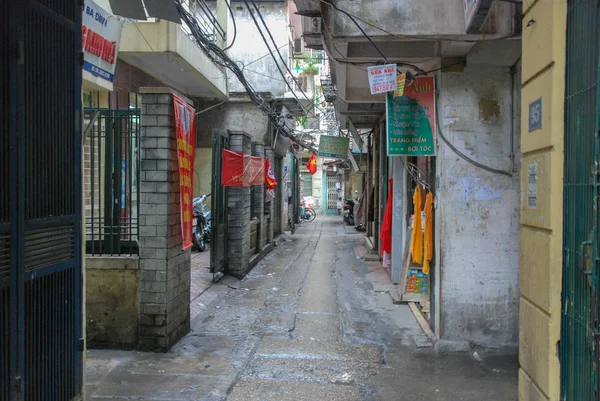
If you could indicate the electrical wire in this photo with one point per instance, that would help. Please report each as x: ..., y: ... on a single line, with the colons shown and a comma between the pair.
x: 234, y: 27
x: 462, y: 155
x: 278, y: 52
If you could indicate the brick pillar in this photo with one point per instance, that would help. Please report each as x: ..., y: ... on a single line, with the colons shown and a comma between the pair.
x: 258, y: 194
x: 271, y: 156
x: 165, y: 268
x: 238, y: 209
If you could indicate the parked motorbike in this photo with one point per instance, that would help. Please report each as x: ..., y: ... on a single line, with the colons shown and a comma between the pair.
x: 202, y: 223
x: 306, y: 211
x: 349, y: 212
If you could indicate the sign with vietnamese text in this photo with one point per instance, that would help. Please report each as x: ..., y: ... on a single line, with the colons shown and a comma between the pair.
x: 185, y: 127
x: 100, y: 36
x: 382, y: 78
x: 411, y: 119
x: 334, y: 146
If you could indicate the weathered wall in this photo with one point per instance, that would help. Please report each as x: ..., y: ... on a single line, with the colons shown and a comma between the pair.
x: 544, y: 45
x: 478, y: 211
x: 234, y: 115
x: 112, y: 301
x: 249, y: 48
x: 203, y: 171
x: 408, y: 17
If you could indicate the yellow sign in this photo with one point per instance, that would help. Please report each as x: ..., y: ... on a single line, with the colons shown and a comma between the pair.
x: 401, y: 82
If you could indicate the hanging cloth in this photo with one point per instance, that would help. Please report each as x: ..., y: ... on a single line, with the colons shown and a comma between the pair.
x: 386, y: 226
x: 428, y: 235
x: 416, y: 243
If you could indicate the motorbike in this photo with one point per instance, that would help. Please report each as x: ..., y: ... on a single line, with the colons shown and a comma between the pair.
x: 349, y: 212
x: 306, y: 211
x: 202, y: 223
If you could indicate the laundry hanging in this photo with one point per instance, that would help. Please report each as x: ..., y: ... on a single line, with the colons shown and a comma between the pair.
x: 416, y: 243
x: 386, y: 228
x: 428, y: 235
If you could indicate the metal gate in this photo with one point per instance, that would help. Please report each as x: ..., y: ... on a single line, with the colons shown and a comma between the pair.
x: 40, y: 201
x: 111, y: 146
x: 580, y: 331
x: 218, y: 242
x: 332, y: 192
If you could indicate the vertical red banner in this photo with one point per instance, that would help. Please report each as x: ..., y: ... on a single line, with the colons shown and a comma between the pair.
x: 185, y: 127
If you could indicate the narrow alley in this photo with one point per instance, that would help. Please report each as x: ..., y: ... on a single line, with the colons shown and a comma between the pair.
x: 312, y: 321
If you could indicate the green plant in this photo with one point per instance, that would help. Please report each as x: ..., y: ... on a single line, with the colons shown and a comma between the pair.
x: 310, y: 62
x: 301, y: 121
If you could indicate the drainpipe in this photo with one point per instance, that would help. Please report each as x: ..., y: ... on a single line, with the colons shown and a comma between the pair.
x: 513, y: 72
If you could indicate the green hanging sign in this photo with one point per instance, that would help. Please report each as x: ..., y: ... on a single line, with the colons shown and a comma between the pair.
x: 410, y: 119
x: 334, y: 146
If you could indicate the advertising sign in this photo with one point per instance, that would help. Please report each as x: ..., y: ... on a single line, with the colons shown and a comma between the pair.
x: 411, y: 119
x: 100, y: 36
x: 185, y: 126
x: 334, y: 146
x: 382, y: 78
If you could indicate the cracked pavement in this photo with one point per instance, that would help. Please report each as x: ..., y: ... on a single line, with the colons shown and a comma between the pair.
x: 310, y: 322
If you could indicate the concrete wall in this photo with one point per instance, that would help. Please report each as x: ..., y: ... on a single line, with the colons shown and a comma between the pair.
x: 262, y: 73
x: 478, y: 213
x: 235, y: 115
x: 541, y: 231
x: 203, y: 171
x: 408, y: 17
x: 112, y: 301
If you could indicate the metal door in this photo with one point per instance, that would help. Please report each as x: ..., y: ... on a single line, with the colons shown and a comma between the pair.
x: 332, y: 193
x: 579, y: 331
x: 218, y: 243
x: 40, y: 201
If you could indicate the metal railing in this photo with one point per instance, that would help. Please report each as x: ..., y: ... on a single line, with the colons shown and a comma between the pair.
x: 206, y: 19
x: 111, y: 173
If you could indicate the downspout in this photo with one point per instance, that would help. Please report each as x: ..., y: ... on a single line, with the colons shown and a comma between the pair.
x: 512, y: 72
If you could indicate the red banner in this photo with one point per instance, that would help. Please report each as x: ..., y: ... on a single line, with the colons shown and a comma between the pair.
x: 185, y: 127
x: 241, y: 170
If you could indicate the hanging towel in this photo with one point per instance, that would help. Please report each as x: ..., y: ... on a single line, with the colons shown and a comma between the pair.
x: 386, y: 226
x: 428, y: 235
x: 416, y: 243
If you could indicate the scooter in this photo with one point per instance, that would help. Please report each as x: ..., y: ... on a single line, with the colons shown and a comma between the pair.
x: 202, y: 223
x: 349, y: 212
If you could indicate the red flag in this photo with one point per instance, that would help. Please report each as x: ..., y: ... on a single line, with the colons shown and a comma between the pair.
x: 256, y: 171
x: 312, y: 164
x: 270, y: 181
x: 233, y: 168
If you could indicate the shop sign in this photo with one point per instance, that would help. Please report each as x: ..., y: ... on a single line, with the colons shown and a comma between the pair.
x: 101, y: 33
x: 334, y: 146
x: 411, y: 120
x: 382, y: 78
x: 185, y: 127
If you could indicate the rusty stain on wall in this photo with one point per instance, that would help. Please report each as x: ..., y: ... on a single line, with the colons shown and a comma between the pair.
x: 489, y: 109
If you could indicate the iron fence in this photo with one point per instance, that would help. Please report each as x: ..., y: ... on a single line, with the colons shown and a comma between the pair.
x: 111, y: 173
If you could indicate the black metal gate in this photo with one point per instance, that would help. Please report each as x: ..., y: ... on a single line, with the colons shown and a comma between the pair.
x: 40, y: 200
x: 218, y: 242
x: 580, y: 329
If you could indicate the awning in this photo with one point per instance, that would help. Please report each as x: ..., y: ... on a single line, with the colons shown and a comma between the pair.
x: 142, y: 9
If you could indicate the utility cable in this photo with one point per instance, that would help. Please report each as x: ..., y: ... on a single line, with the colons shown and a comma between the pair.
x: 462, y: 155
x: 234, y: 26
x: 279, y: 53
x: 273, y: 56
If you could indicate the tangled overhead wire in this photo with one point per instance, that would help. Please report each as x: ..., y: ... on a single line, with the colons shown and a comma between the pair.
x: 219, y: 57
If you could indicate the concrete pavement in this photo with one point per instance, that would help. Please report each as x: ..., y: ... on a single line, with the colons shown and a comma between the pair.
x: 310, y: 322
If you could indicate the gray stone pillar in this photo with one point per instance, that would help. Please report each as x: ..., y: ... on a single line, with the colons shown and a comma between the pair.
x: 269, y: 153
x: 238, y: 220
x: 258, y: 203
x: 165, y: 268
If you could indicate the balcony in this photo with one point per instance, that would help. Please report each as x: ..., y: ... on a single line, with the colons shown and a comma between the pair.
x: 167, y: 52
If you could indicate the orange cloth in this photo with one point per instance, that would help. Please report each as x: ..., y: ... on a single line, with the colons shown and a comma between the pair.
x: 416, y: 243
x: 428, y: 235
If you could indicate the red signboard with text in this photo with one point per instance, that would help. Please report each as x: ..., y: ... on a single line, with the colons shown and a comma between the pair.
x: 185, y: 126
